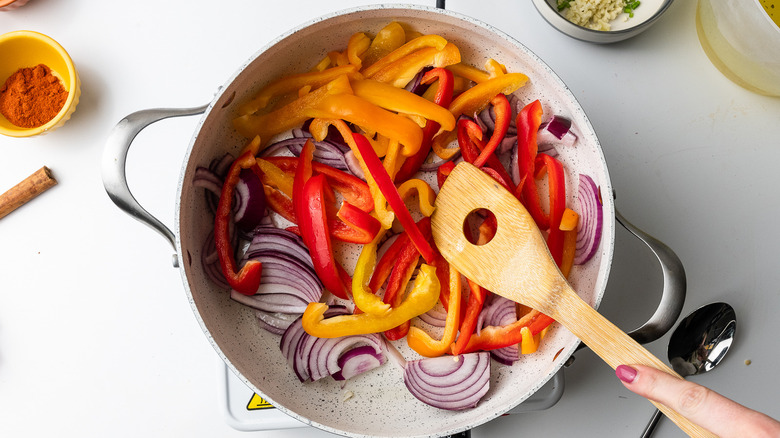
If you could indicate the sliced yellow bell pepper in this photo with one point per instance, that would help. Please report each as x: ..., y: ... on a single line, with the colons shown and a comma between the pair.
x: 363, y: 113
x: 291, y: 115
x: 425, y: 194
x: 474, y: 100
x: 276, y: 177
x: 292, y: 83
x: 319, y: 130
x: 422, y: 298
x: 402, y: 101
x: 401, y: 72
x: 364, y: 298
x: 421, y: 342
x: 386, y: 40
x: 416, y: 44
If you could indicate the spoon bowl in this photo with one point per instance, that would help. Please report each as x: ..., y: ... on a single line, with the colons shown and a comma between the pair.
x: 517, y: 265
x: 699, y: 344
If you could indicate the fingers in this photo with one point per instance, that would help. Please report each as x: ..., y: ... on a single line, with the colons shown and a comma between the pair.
x: 701, y: 405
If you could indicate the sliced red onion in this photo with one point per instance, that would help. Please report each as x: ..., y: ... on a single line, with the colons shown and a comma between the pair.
x: 210, y: 261
x: 298, y: 132
x: 221, y: 165
x: 415, y: 85
x: 447, y: 382
x: 288, y: 282
x: 276, y: 323
x: 323, y: 353
x: 271, y: 302
x: 557, y: 130
x: 432, y: 166
x: 357, y: 361
x: 289, y: 347
x: 591, y: 219
x: 209, y: 180
x: 353, y: 165
x: 314, y: 358
x: 249, y: 204
x: 436, y: 317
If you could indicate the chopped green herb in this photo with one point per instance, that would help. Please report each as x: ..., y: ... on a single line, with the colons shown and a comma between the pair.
x: 563, y: 4
x: 629, y: 8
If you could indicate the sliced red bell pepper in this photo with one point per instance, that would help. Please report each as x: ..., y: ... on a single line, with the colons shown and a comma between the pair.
x: 313, y: 221
x: 280, y: 204
x: 359, y: 226
x: 247, y: 279
x: 469, y: 136
x: 385, y: 264
x: 353, y: 189
x: 303, y: 173
x: 493, y: 337
x: 390, y: 192
x: 443, y: 98
x: 477, y: 296
x: 443, y: 172
x: 528, y: 121
x: 403, y: 268
x: 503, y: 117
x: 557, y: 188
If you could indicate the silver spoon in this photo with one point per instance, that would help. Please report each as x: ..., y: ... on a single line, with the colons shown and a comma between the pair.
x: 698, y: 344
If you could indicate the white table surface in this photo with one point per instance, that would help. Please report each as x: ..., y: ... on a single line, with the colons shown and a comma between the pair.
x: 97, y: 338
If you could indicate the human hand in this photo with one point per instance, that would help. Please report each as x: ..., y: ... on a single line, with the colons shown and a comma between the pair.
x: 703, y: 406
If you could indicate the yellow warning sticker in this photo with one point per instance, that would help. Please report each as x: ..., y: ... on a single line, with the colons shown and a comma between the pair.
x: 258, y: 402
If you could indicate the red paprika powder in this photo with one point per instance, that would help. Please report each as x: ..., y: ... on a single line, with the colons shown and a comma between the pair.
x: 31, y: 97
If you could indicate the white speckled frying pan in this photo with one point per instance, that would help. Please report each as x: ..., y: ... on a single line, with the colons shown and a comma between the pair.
x: 379, y: 405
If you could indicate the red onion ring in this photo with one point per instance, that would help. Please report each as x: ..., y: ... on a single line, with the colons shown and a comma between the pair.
x: 591, y: 220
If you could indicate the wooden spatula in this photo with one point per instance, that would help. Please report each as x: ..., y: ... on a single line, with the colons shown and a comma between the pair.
x: 516, y: 264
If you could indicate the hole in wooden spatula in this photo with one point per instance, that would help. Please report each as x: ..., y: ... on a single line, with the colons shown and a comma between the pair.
x: 480, y: 226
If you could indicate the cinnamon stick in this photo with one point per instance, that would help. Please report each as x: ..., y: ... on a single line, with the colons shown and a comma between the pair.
x: 31, y: 187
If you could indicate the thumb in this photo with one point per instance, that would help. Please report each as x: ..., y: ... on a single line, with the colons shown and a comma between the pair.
x: 701, y: 405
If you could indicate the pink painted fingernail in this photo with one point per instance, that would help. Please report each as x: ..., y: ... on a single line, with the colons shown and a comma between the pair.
x: 625, y: 373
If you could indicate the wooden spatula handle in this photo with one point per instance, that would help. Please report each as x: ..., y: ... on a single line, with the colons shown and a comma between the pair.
x: 615, y: 348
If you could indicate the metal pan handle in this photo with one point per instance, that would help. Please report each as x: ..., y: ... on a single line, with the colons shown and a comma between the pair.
x: 673, y: 294
x: 115, y: 158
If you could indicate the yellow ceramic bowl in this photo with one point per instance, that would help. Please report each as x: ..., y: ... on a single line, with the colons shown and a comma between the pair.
x: 26, y: 48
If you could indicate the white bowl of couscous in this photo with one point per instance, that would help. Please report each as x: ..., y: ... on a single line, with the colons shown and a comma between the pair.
x: 601, y: 21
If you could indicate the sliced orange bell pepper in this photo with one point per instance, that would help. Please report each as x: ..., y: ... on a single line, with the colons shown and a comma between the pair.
x: 359, y: 111
x: 402, y: 71
x: 356, y: 46
x: 386, y: 40
x: 291, y: 115
x: 292, y: 83
x: 425, y: 41
x: 402, y: 101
